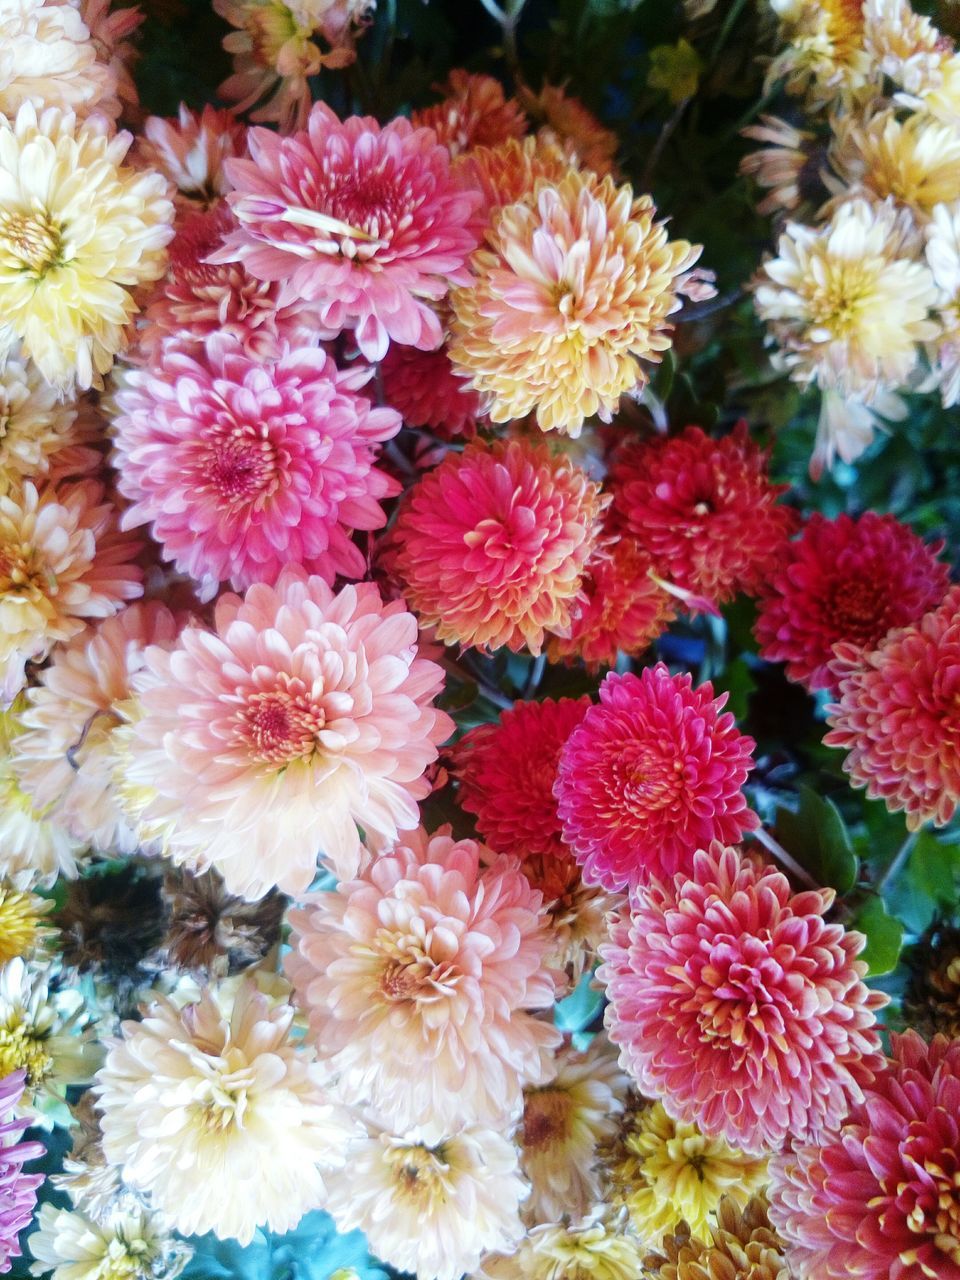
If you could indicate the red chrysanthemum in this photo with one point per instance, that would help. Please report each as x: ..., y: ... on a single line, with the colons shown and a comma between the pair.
x: 703, y: 510
x: 625, y: 609
x: 898, y: 716
x: 474, y: 113
x: 735, y: 1003
x: 507, y: 771
x: 849, y: 581
x: 880, y: 1199
x: 364, y: 220
x: 425, y: 391
x: 651, y: 775
x: 490, y: 547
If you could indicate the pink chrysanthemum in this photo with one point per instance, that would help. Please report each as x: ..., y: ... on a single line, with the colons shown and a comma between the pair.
x: 845, y: 580
x: 241, y: 467
x: 736, y: 1004
x: 880, y: 1198
x: 419, y: 978
x: 474, y: 113
x: 62, y: 562
x: 898, y: 716
x: 625, y: 609
x: 491, y: 545
x: 190, y: 150
x: 507, y: 770
x: 65, y: 759
x: 425, y: 391
x: 653, y: 774
x: 18, y: 1190
x: 703, y: 510
x: 197, y: 298
x: 266, y: 741
x: 366, y: 221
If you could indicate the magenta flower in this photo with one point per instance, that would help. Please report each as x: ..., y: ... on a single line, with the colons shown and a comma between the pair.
x: 18, y: 1190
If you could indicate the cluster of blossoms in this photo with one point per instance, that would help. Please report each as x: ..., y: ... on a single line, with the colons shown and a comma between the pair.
x: 860, y: 300
x: 297, y: 422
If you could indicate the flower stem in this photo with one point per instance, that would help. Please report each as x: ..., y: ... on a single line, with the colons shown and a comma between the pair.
x: 786, y: 859
x: 897, y: 862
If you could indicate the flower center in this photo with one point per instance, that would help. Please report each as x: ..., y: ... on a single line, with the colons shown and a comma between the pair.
x: 838, y: 304
x: 410, y: 975
x: 33, y: 240
x: 419, y: 1173
x: 931, y: 1197
x: 221, y: 1108
x: 241, y: 465
x: 645, y: 779
x: 20, y: 1050
x: 21, y: 574
x: 546, y: 1118
x: 860, y: 609
x: 280, y: 726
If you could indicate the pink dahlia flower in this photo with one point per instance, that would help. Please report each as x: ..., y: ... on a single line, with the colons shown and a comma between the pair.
x: 425, y: 391
x: 703, y: 510
x: 241, y: 467
x: 366, y: 221
x: 490, y: 546
x: 197, y: 298
x: 735, y: 1003
x: 507, y: 771
x: 419, y: 978
x: 265, y: 742
x: 65, y: 759
x: 879, y: 1198
x: 897, y: 716
x: 845, y: 580
x: 653, y: 774
x: 18, y: 1190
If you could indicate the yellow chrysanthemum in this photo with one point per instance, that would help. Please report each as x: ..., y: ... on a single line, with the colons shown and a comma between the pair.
x: 824, y: 56
x: 574, y: 290
x: 594, y: 1249
x: 663, y: 1172
x: 915, y: 161
x: 847, y: 303
x: 22, y: 928
x: 904, y: 45
x: 70, y: 257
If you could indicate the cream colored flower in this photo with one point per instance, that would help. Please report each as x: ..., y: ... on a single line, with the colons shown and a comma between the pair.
x: 48, y: 59
x: 663, y: 1171
x: 41, y: 1034
x: 70, y: 256
x: 847, y: 425
x: 847, y: 303
x: 130, y: 1245
x: 220, y: 1115
x: 824, y: 58
x: 943, y: 258
x: 563, y: 1123
x: 915, y: 162
x: 33, y: 849
x: 904, y: 46
x: 788, y: 166
x: 35, y: 422
x: 593, y: 1249
x: 430, y: 1203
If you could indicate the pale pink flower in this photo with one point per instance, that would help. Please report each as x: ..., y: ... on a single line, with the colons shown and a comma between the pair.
x: 241, y: 467
x: 366, y: 221
x: 264, y: 742
x: 419, y: 979
x: 191, y: 148
x: 65, y: 760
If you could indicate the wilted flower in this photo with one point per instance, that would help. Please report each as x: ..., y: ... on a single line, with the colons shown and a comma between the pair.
x: 490, y: 546
x: 931, y: 1003
x: 211, y: 931
x: 741, y: 1245
x: 67, y: 266
x: 218, y: 1113
x: 724, y: 984
x: 651, y: 775
x: 420, y: 979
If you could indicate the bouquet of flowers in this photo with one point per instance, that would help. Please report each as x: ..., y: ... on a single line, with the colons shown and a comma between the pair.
x: 480, y: 715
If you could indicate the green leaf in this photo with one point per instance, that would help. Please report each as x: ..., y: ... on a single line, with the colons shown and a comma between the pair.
x: 818, y: 838
x: 738, y: 681
x: 884, y: 937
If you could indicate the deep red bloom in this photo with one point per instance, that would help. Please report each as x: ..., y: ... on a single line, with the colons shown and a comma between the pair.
x: 651, y: 775
x: 425, y: 391
x: 845, y: 580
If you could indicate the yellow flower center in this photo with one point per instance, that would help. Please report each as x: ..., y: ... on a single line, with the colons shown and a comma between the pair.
x: 839, y: 303
x: 18, y: 924
x: 20, y: 1050
x: 33, y: 240
x: 419, y: 1173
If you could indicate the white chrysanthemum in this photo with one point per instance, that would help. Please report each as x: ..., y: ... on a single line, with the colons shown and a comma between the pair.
x: 130, y: 1245
x: 943, y: 258
x: 430, y: 1205
x: 61, y: 563
x: 915, y: 163
x: 41, y: 1034
x: 824, y: 57
x: 220, y: 1115
x: 847, y: 303
x: 65, y: 759
x: 48, y: 59
x: 70, y: 257
x: 35, y: 422
x: 593, y: 1249
x: 903, y: 45
x: 563, y: 1122
x: 34, y: 850
x: 846, y: 426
